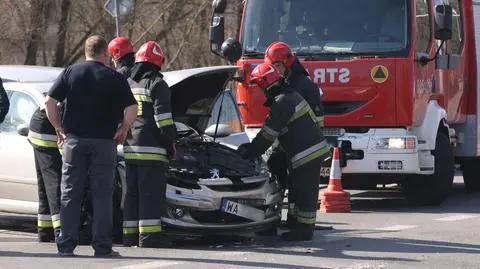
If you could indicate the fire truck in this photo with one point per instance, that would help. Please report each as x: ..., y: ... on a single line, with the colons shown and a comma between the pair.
x: 398, y: 81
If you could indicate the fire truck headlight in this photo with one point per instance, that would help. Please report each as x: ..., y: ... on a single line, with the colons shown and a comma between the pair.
x: 392, y: 143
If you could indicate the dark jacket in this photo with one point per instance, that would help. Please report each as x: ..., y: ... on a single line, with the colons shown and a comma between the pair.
x: 41, y: 134
x: 299, y: 80
x: 292, y: 122
x: 126, y: 64
x: 4, y: 103
x: 125, y: 70
x: 153, y: 133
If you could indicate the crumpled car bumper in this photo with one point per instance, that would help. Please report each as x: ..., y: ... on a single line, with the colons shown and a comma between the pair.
x: 199, y: 210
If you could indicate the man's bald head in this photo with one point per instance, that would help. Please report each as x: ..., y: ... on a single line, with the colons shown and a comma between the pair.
x: 95, y: 47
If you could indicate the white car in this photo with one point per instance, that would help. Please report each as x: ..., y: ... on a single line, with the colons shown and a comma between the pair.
x: 211, y: 189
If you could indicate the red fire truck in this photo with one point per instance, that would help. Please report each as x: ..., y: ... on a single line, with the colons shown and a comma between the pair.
x: 399, y: 82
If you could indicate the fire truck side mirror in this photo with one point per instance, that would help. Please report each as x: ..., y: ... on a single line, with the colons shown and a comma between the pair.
x: 443, y: 22
x: 217, y: 26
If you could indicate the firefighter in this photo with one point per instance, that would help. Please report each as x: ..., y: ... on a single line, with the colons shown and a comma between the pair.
x: 282, y: 57
x: 293, y: 123
x: 48, y: 163
x: 296, y: 76
x: 121, y: 50
x: 147, y: 151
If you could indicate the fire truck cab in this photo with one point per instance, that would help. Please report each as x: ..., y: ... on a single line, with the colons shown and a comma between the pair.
x: 398, y: 77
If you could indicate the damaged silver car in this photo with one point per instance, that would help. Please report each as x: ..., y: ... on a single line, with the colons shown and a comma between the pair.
x: 210, y: 188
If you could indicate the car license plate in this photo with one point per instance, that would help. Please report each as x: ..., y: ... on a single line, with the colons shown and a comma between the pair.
x: 244, y: 211
x: 325, y: 172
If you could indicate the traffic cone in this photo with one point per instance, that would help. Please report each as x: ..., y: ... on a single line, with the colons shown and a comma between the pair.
x: 334, y: 199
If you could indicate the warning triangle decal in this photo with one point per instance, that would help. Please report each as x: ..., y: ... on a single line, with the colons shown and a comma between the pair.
x: 379, y: 73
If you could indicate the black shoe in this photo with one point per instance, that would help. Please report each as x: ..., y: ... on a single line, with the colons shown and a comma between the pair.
x: 66, y: 254
x: 46, y: 240
x: 299, y: 234
x: 111, y: 254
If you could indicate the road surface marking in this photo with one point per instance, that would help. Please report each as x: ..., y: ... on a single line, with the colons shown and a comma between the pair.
x: 456, y: 217
x: 396, y: 228
x: 149, y: 265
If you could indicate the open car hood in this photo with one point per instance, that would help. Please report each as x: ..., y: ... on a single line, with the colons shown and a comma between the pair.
x: 193, y: 92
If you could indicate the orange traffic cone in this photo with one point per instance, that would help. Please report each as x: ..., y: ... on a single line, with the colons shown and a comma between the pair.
x: 334, y: 199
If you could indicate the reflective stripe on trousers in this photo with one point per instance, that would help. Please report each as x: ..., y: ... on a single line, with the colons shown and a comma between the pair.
x: 56, y: 221
x: 130, y: 227
x: 150, y: 226
x: 306, y: 217
x: 44, y: 221
x: 145, y: 153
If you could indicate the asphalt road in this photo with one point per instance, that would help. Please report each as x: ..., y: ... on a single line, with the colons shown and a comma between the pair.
x: 381, y: 232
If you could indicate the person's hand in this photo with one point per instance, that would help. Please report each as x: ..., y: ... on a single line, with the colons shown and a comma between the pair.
x: 121, y: 135
x: 60, y: 136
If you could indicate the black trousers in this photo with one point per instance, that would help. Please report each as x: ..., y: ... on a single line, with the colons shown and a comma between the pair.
x: 304, y: 187
x: 48, y: 164
x: 144, y: 204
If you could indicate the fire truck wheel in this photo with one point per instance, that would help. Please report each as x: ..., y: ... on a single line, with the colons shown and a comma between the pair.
x: 470, y: 174
x: 433, y: 189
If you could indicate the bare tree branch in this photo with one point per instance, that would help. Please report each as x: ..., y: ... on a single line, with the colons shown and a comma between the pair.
x: 204, y: 6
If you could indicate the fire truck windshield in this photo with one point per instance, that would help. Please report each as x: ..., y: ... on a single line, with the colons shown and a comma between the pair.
x: 327, y: 27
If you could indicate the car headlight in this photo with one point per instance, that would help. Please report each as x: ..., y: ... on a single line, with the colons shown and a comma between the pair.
x: 394, y: 143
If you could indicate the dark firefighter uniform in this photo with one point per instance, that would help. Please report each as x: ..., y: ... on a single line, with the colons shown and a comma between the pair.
x: 146, y: 152
x: 48, y: 163
x: 299, y: 80
x: 125, y: 70
x: 293, y: 123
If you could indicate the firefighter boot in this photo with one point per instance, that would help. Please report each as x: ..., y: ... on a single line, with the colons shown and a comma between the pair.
x: 302, y: 232
x: 46, y: 235
x: 154, y: 240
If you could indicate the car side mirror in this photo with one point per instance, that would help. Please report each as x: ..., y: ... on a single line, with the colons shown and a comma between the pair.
x: 22, y: 130
x: 443, y: 22
x: 223, y: 130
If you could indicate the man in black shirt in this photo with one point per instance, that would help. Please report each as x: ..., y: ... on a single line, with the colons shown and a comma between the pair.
x: 97, y: 98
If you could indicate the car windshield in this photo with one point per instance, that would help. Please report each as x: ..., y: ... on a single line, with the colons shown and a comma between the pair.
x: 324, y: 27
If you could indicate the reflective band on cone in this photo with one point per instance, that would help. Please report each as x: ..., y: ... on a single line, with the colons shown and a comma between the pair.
x: 334, y: 199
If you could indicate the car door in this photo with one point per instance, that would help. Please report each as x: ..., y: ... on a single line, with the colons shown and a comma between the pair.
x: 17, y: 169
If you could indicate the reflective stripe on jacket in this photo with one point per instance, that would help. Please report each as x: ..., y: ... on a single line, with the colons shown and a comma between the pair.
x: 154, y: 130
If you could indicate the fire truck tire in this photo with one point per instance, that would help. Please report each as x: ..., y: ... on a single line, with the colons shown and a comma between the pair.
x: 433, y: 189
x: 470, y: 174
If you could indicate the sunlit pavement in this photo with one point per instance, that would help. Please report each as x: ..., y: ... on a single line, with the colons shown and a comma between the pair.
x: 381, y: 232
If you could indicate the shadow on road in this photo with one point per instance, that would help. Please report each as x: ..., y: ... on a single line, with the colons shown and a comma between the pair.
x: 164, y: 259
x: 339, y: 248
